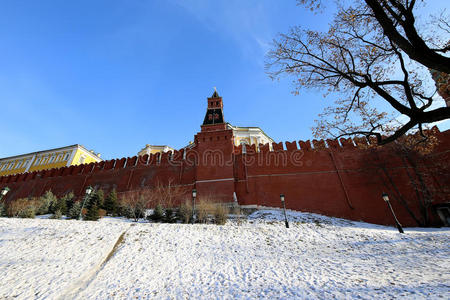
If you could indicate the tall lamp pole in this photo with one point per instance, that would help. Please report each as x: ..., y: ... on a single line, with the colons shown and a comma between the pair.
x: 284, y: 209
x: 3, y: 192
x: 88, y: 192
x: 386, y: 199
x: 194, y: 195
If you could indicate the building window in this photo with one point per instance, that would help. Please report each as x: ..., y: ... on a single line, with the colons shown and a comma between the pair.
x: 37, y: 161
x: 66, y: 157
x: 51, y: 159
x: 59, y: 157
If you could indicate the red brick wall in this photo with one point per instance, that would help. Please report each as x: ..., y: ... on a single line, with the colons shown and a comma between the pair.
x: 335, y: 180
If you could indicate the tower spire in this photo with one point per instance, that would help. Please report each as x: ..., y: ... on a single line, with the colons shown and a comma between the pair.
x: 214, y: 112
x: 215, y: 94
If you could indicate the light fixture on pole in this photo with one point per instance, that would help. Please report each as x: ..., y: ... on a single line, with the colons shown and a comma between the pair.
x: 284, y: 209
x: 3, y: 192
x: 194, y: 195
x: 386, y: 199
x: 88, y: 192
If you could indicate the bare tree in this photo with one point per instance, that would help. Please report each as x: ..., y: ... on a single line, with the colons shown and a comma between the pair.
x: 135, y: 202
x: 372, y: 51
x: 422, y: 169
x: 170, y: 194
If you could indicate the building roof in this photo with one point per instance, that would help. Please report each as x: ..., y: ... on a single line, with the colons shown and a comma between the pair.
x: 51, y: 150
x: 247, y: 128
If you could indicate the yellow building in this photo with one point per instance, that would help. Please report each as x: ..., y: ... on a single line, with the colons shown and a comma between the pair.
x: 47, y: 159
x: 250, y: 136
x: 152, y: 149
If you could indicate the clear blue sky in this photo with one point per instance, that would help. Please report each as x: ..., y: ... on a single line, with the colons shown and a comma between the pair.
x: 116, y: 75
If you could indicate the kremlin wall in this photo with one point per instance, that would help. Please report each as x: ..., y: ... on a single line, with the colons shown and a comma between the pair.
x: 332, y: 178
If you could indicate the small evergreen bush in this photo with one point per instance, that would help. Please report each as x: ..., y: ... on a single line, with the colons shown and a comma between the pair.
x: 74, y: 211
x: 158, y: 213
x: 110, y: 204
x: 69, y: 200
x: 47, y: 203
x: 92, y: 213
x: 97, y: 198
x: 125, y: 211
x: 57, y: 215
x: 60, y: 206
x: 2, y: 210
x: 169, y: 216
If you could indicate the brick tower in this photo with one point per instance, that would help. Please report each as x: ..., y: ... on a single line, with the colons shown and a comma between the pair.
x: 215, y: 153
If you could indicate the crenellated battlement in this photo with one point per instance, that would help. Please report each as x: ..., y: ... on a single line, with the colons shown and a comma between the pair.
x: 192, y: 157
x: 343, y: 144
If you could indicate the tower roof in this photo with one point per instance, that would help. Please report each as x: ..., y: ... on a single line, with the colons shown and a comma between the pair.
x: 215, y: 94
x: 214, y: 112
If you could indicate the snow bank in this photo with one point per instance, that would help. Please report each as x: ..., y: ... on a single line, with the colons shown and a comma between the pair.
x: 318, y: 257
x: 40, y: 258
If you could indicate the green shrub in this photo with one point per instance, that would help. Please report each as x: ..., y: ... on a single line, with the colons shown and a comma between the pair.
x: 57, y: 215
x: 47, y: 203
x: 169, y: 216
x: 60, y: 206
x: 69, y: 200
x: 74, y: 211
x: 97, y: 198
x: 92, y: 213
x: 125, y: 211
x: 158, y: 213
x: 110, y: 203
x: 2, y: 210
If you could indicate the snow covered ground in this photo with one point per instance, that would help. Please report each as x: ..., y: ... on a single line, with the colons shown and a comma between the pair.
x: 317, y: 258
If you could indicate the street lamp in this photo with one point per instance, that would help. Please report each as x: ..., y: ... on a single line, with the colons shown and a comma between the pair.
x: 194, y: 195
x: 284, y: 209
x: 88, y: 192
x: 386, y: 199
x: 3, y: 192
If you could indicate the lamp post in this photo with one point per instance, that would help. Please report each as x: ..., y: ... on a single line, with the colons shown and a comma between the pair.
x: 386, y: 199
x: 194, y: 195
x: 88, y: 192
x: 3, y: 192
x: 284, y: 209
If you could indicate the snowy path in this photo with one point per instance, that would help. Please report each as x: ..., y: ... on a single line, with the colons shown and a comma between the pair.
x: 317, y: 258
x: 41, y: 258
